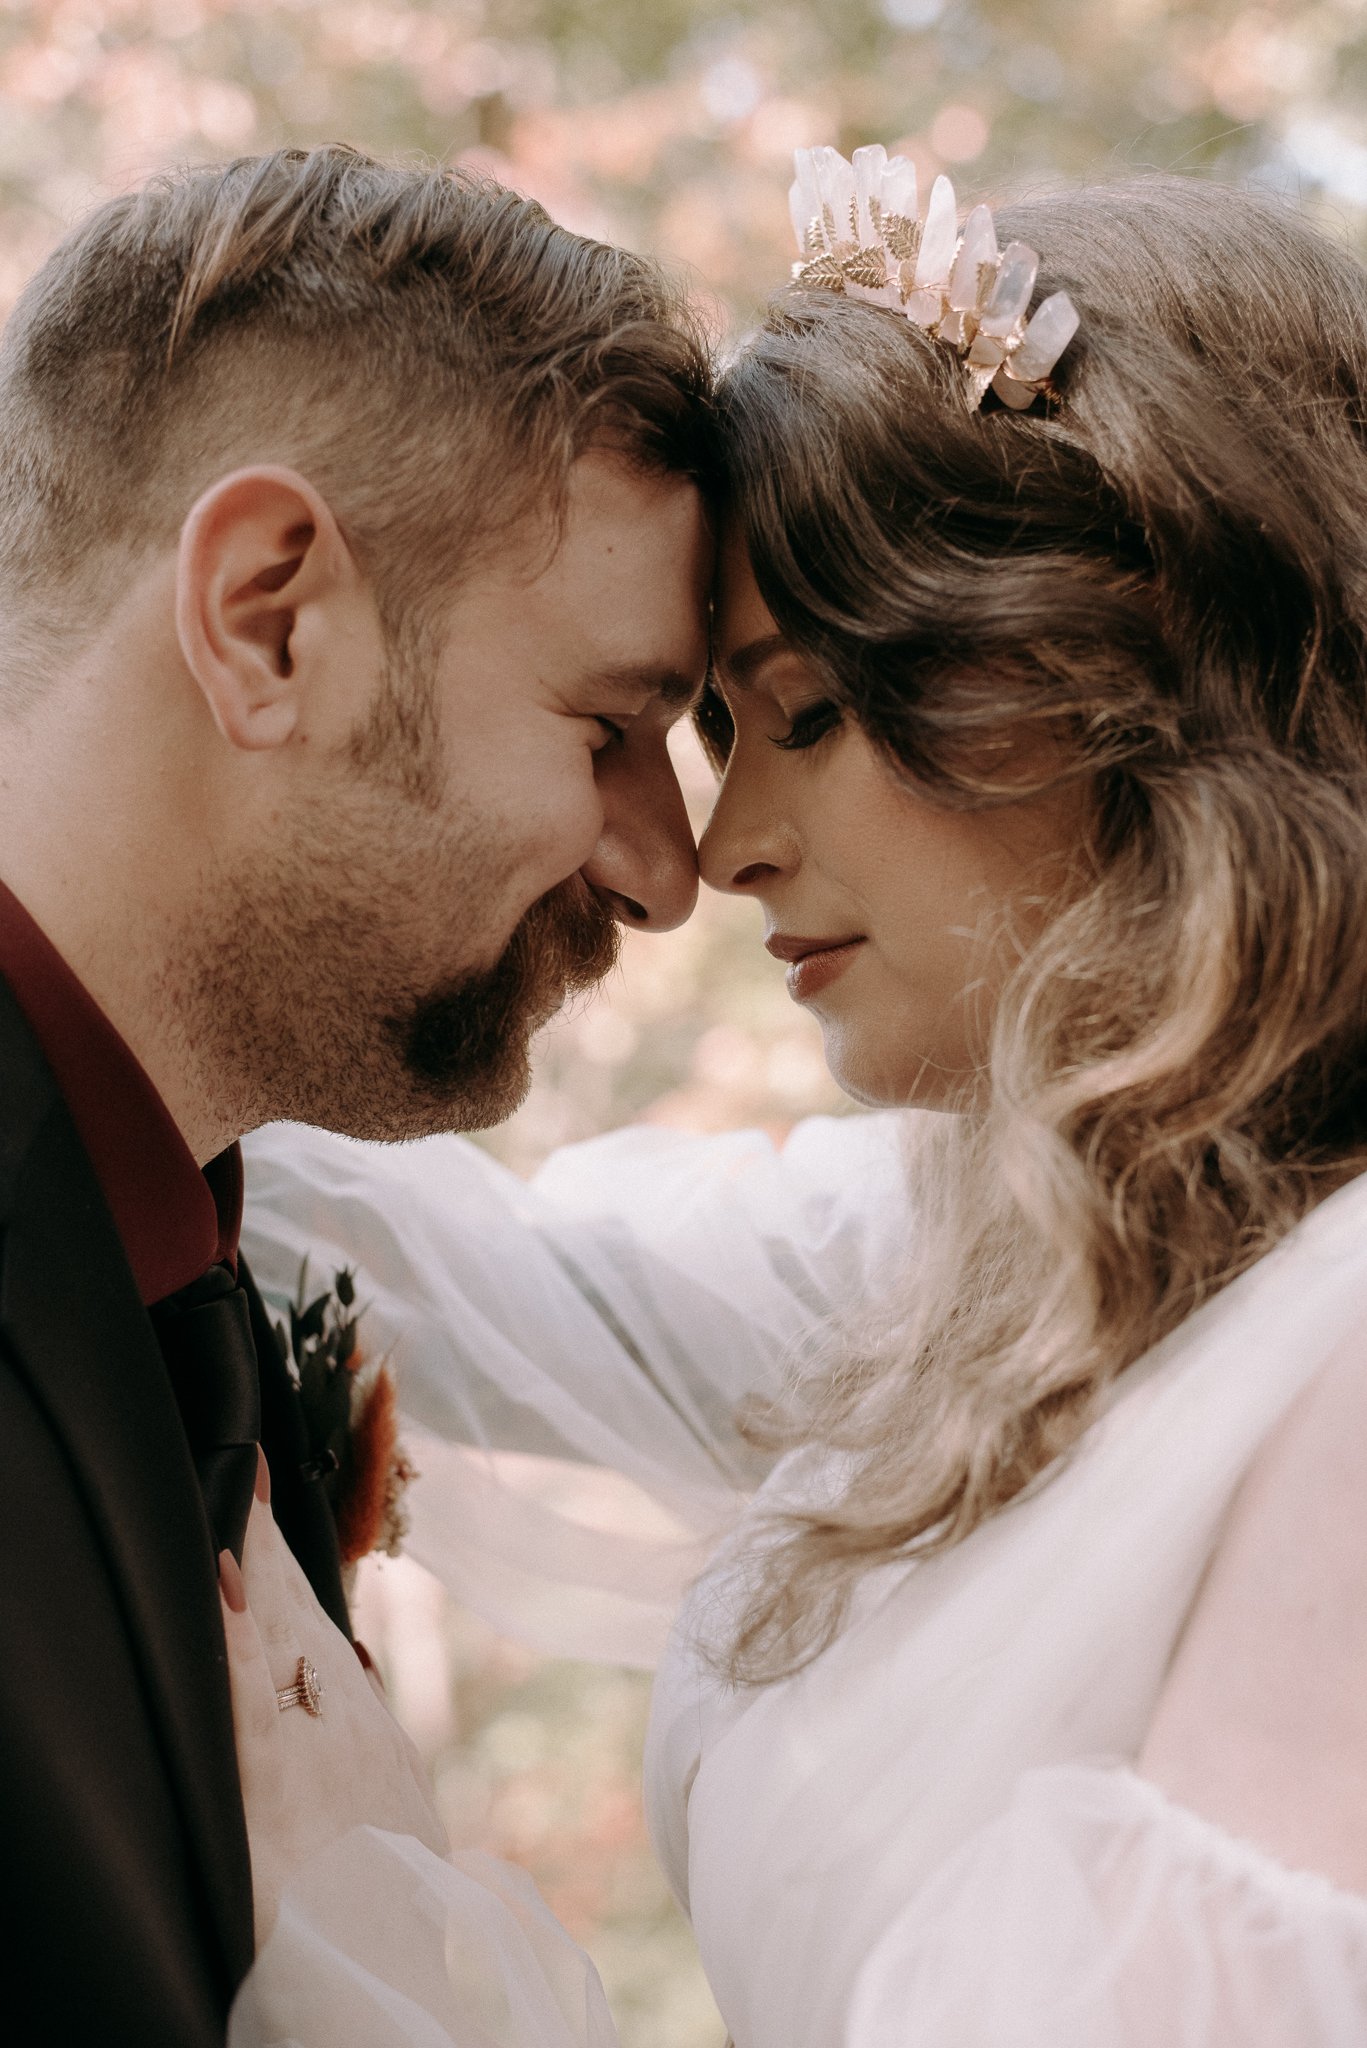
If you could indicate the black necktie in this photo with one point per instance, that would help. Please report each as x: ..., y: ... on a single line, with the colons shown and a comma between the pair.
x: 205, y: 1335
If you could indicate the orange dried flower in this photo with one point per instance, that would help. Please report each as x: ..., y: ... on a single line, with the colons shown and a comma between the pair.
x: 369, y: 1497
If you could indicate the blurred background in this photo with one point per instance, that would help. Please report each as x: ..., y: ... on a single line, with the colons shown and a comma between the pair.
x: 669, y: 125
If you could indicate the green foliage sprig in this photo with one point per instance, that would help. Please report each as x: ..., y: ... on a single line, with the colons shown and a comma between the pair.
x: 322, y: 1350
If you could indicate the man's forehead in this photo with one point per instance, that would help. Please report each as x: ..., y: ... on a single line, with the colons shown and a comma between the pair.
x: 620, y: 600
x: 640, y: 523
x: 607, y: 510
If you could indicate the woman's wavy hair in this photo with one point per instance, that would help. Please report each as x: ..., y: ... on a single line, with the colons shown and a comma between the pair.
x: 1165, y: 568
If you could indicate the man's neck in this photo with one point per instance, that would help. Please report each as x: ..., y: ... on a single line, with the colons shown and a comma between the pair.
x: 108, y: 821
x: 126, y: 965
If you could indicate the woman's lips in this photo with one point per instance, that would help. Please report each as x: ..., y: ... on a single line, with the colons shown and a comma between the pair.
x: 813, y: 963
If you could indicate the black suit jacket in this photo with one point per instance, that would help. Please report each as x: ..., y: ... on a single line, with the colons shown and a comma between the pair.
x: 125, y: 1884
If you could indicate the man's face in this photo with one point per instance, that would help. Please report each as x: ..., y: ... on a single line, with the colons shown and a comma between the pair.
x: 460, y: 866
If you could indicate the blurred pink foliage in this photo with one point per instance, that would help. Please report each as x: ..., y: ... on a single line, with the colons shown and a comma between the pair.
x: 670, y: 126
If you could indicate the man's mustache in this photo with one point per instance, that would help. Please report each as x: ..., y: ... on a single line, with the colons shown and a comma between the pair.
x: 568, y: 940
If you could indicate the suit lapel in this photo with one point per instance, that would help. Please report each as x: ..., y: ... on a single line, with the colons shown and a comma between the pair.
x: 72, y: 1317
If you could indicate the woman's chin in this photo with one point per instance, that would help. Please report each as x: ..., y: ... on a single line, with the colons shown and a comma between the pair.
x: 877, y: 1079
x: 864, y: 1079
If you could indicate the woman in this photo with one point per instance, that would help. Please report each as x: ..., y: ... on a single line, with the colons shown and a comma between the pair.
x: 1026, y: 1699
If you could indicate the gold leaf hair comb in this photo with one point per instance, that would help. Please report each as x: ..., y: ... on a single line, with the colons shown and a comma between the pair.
x: 861, y: 232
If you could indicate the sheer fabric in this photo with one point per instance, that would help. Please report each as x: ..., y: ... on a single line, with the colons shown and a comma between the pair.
x: 381, y: 1944
x: 912, y: 1840
x: 802, y: 1821
x: 1093, y: 1913
x: 571, y: 1353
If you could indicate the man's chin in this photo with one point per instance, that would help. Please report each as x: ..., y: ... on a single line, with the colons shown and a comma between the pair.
x: 465, y: 1046
x: 478, y: 1105
x: 401, y: 1110
x: 458, y: 1056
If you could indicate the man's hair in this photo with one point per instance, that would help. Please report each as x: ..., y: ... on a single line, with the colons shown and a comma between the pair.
x: 428, y: 348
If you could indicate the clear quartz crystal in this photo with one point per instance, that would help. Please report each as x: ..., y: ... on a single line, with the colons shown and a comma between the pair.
x: 936, y: 253
x: 1018, y: 396
x: 1011, y: 293
x: 924, y: 307
x: 1045, y: 339
x: 835, y: 179
x: 977, y: 250
x: 804, y: 196
x: 988, y: 352
x: 870, y: 168
x: 899, y: 188
x: 868, y: 279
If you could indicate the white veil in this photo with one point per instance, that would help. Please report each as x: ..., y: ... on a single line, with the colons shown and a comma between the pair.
x: 570, y: 1353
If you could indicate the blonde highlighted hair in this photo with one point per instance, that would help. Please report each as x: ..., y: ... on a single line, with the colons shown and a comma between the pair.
x: 1167, y: 571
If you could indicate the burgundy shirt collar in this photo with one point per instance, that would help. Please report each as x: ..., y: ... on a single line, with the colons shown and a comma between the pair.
x: 175, y: 1222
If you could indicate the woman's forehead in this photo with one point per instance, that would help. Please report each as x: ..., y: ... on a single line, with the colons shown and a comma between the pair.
x: 741, y: 618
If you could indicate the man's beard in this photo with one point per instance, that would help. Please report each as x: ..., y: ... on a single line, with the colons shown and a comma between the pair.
x: 304, y: 1008
x: 465, y: 1047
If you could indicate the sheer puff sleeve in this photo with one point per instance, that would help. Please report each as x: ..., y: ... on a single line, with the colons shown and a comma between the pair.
x: 381, y: 1944
x: 571, y: 1353
x: 1096, y: 1913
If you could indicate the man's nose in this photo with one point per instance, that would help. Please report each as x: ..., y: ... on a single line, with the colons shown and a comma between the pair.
x: 645, y: 863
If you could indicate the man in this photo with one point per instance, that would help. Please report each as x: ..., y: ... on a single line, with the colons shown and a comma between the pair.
x: 352, y: 569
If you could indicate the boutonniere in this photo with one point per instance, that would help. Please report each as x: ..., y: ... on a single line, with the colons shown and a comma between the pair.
x: 351, y: 1414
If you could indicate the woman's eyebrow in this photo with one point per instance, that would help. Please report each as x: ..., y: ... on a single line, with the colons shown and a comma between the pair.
x: 739, y: 669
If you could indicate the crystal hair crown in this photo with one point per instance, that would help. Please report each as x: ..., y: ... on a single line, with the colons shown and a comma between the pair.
x: 860, y: 232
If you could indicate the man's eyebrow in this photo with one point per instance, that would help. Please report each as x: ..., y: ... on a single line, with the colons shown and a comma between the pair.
x: 670, y: 685
x: 740, y: 668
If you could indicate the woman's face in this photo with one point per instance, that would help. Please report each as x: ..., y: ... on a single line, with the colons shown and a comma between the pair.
x: 899, y: 919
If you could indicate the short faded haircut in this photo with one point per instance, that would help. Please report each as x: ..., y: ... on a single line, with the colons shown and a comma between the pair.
x: 431, y: 350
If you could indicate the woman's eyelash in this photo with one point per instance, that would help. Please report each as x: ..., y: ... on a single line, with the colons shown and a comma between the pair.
x: 614, y: 731
x: 810, y: 725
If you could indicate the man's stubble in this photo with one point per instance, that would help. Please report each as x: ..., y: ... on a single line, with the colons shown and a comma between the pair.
x: 317, y: 993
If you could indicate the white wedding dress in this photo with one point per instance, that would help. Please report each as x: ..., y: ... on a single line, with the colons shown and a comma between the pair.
x: 935, y: 1834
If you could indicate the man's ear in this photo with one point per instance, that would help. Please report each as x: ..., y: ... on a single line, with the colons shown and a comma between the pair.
x: 259, y: 552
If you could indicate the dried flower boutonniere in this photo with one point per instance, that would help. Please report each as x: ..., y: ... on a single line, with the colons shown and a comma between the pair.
x: 351, y: 1415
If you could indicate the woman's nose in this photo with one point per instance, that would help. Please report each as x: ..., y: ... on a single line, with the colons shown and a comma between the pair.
x: 645, y: 863
x: 746, y: 841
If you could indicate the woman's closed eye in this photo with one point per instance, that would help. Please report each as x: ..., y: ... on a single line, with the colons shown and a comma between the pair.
x: 814, y: 722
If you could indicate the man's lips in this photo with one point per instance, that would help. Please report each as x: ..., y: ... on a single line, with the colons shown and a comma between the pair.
x: 813, y: 963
